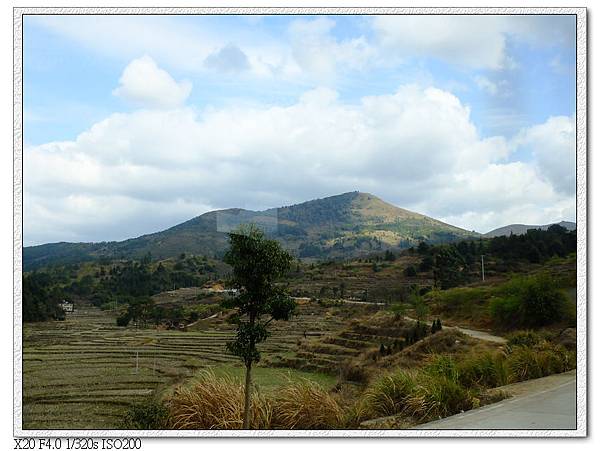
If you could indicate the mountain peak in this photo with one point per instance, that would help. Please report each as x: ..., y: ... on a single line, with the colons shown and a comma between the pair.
x: 345, y: 225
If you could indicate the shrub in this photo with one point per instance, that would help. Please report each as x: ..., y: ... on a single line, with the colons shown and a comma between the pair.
x: 505, y: 312
x: 123, y: 320
x: 388, y: 394
x: 216, y: 403
x: 523, y: 338
x: 484, y: 370
x: 441, y: 365
x: 354, y: 372
x: 542, y: 302
x: 437, y: 396
x: 306, y: 405
x: 150, y: 414
x: 523, y: 364
x: 410, y: 271
x: 533, y: 301
x: 543, y: 359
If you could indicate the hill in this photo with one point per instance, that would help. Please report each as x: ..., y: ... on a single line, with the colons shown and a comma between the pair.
x: 346, y: 225
x: 521, y: 229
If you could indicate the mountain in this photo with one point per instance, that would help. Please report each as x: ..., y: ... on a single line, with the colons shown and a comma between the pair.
x: 521, y: 229
x: 346, y: 225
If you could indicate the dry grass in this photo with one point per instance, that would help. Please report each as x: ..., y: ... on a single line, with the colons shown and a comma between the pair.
x: 306, y: 406
x: 388, y: 395
x: 216, y: 403
x: 213, y: 402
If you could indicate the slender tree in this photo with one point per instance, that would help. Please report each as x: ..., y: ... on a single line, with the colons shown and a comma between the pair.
x: 257, y: 264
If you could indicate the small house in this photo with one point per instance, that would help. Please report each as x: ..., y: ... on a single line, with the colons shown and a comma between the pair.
x: 67, y: 306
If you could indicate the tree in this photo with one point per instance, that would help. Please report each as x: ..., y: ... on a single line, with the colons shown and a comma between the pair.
x: 421, y: 309
x: 449, y: 267
x: 410, y: 271
x: 257, y: 264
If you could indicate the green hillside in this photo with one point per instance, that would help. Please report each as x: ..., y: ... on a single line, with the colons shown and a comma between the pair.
x: 343, y: 226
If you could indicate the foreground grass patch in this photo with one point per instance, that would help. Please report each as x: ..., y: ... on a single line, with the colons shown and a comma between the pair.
x: 217, y: 402
x: 268, y: 379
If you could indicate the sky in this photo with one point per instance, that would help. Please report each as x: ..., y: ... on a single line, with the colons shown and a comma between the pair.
x: 133, y: 124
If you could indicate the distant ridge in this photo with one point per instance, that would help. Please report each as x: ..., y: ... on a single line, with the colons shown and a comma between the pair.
x: 342, y: 226
x: 520, y: 229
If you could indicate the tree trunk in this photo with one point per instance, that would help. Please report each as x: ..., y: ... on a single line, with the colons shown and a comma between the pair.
x: 247, y: 397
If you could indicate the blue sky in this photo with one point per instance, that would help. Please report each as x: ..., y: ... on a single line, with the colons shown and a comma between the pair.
x: 501, y: 91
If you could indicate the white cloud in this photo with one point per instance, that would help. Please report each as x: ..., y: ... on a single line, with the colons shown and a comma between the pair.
x: 553, y: 146
x: 417, y: 148
x: 473, y: 41
x: 319, y: 53
x: 144, y: 84
x: 486, y: 84
x: 465, y: 40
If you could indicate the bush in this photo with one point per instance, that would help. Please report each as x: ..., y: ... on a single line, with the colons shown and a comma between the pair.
x: 410, y: 271
x: 523, y: 338
x: 533, y: 301
x: 485, y: 370
x: 389, y: 394
x: 150, y: 414
x: 123, y: 320
x: 541, y: 360
x: 442, y: 365
x: 505, y: 312
x: 354, y: 372
x: 542, y: 302
x: 437, y: 396
x: 216, y: 403
x: 306, y: 405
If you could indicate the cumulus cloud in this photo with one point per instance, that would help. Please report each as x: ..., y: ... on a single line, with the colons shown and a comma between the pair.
x: 416, y: 148
x: 228, y: 59
x: 145, y: 84
x: 319, y: 53
x: 473, y: 41
x: 553, y: 146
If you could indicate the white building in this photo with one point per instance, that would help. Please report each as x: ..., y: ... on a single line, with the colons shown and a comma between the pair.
x: 67, y: 306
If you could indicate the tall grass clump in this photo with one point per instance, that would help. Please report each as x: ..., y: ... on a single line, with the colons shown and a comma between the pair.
x: 543, y: 359
x: 216, y: 403
x: 305, y: 405
x: 485, y: 370
x: 438, y: 396
x: 388, y: 394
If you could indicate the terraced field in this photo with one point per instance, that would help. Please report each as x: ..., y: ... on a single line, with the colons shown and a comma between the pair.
x: 84, y: 372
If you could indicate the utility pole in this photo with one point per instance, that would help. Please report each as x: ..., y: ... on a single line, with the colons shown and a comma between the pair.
x: 482, y: 269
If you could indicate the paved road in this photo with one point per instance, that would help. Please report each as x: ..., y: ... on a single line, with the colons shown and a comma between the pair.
x: 550, y: 406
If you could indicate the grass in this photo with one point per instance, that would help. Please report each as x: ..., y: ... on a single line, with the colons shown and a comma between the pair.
x: 81, y: 373
x: 268, y: 380
x: 213, y: 401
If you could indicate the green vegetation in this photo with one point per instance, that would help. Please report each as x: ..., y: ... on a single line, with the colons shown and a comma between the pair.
x: 344, y: 226
x: 157, y: 343
x: 447, y: 385
x: 41, y: 298
x: 531, y: 301
x: 149, y: 414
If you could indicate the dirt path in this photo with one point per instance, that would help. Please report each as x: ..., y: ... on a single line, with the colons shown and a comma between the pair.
x: 479, y: 334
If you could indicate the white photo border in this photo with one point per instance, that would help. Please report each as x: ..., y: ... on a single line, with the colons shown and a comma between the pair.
x: 581, y: 218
